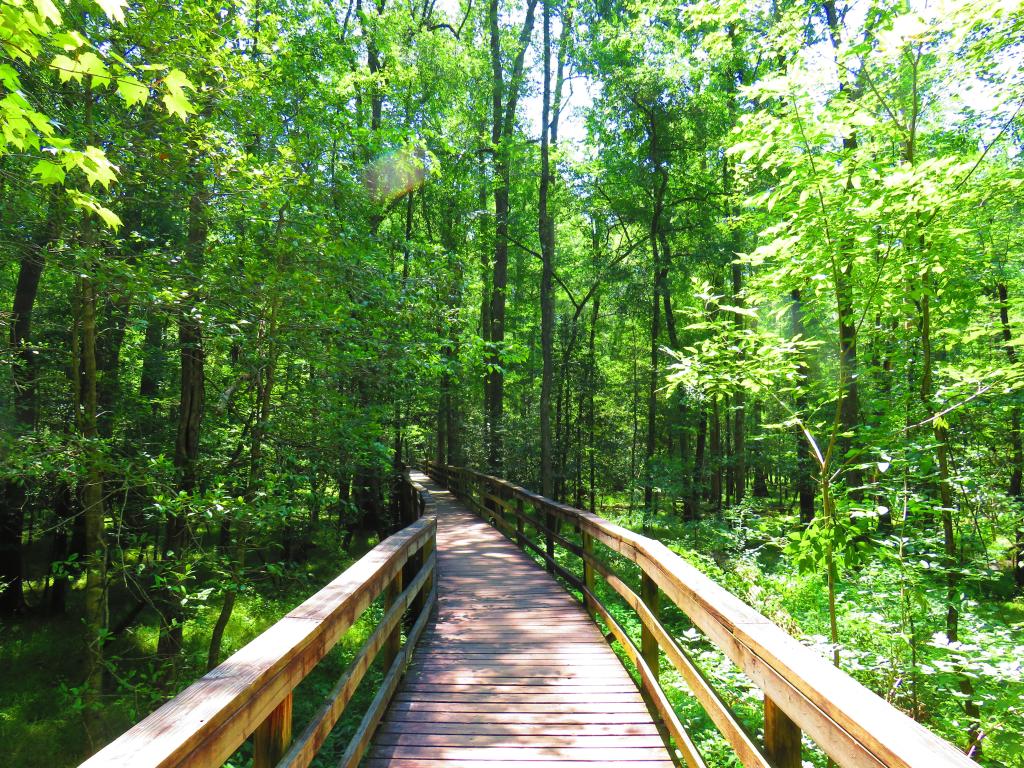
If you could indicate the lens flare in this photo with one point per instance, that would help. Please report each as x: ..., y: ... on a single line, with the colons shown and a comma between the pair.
x: 395, y: 174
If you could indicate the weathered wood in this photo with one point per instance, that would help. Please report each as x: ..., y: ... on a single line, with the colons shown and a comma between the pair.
x: 588, y: 573
x: 648, y: 641
x: 781, y: 737
x: 520, y: 523
x: 394, y: 640
x: 427, y: 552
x: 549, y: 541
x: 513, y: 671
x: 654, y: 695
x: 207, y: 722
x: 852, y: 725
x: 273, y: 736
x: 315, y: 734
x: 364, y: 732
x: 743, y: 745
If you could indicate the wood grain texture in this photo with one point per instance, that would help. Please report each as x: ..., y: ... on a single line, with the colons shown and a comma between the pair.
x: 513, y: 671
x: 855, y: 727
x: 202, y: 726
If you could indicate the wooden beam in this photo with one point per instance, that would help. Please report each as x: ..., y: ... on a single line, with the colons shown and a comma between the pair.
x: 781, y: 737
x: 394, y: 641
x: 588, y: 573
x: 648, y: 642
x: 855, y: 727
x: 207, y: 722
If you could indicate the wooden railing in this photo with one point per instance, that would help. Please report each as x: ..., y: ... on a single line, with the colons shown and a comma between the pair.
x: 803, y: 693
x: 251, y: 692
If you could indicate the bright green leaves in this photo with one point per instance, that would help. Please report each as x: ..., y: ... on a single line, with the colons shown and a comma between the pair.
x: 24, y: 36
x: 132, y: 90
x: 48, y: 172
x: 93, y: 164
x: 89, y: 203
x: 21, y: 126
x: 86, y: 63
x: 174, y: 98
x: 48, y: 10
x: 843, y: 541
x: 113, y: 8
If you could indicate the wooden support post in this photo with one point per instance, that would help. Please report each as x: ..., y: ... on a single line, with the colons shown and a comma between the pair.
x: 588, y: 572
x: 428, y: 547
x: 549, y: 541
x: 273, y: 736
x: 520, y: 527
x: 416, y: 607
x: 394, y: 642
x: 781, y: 737
x: 648, y: 642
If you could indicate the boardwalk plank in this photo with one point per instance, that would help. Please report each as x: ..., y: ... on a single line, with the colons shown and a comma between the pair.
x: 512, y: 672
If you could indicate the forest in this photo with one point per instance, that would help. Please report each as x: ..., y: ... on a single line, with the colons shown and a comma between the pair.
x: 741, y: 275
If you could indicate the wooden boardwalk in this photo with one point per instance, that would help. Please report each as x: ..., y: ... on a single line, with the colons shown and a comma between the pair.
x: 512, y: 672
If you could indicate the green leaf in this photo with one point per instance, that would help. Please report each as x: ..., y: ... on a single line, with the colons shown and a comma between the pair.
x: 48, y: 10
x: 174, y: 99
x: 9, y: 77
x: 65, y: 67
x: 89, y: 203
x: 133, y: 91
x: 113, y: 8
x: 49, y: 172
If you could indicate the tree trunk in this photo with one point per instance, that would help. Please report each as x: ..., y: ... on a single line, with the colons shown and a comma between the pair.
x: 760, y: 490
x: 502, y: 126
x: 26, y: 403
x: 739, y: 448
x: 108, y: 360
x: 192, y: 396
x: 697, y: 483
x: 591, y: 413
x: 1014, y: 490
x: 804, y: 480
x: 92, y: 502
x: 716, y: 455
x: 849, y: 407
x: 658, y: 275
x: 546, y: 232
x: 952, y: 558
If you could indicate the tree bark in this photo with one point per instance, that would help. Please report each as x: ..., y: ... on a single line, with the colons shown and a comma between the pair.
x: 804, y: 480
x: 1014, y: 490
x: 192, y: 394
x: 502, y: 126
x: 24, y: 372
x: 739, y: 446
x: 546, y: 232
x: 93, y: 512
x: 658, y: 274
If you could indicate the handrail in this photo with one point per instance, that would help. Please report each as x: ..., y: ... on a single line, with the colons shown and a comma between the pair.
x: 802, y: 691
x: 251, y: 692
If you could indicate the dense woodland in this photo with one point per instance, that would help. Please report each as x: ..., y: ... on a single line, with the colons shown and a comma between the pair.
x: 746, y: 276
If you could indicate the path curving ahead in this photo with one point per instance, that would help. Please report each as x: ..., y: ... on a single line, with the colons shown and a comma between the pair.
x: 512, y: 672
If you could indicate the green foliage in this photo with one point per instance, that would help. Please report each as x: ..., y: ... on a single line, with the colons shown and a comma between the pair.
x: 788, y: 275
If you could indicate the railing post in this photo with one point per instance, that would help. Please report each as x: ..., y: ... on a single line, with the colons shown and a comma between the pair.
x: 520, y: 526
x: 781, y: 737
x: 549, y: 540
x: 273, y: 736
x: 588, y: 572
x: 394, y: 642
x: 648, y: 642
x: 421, y: 599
